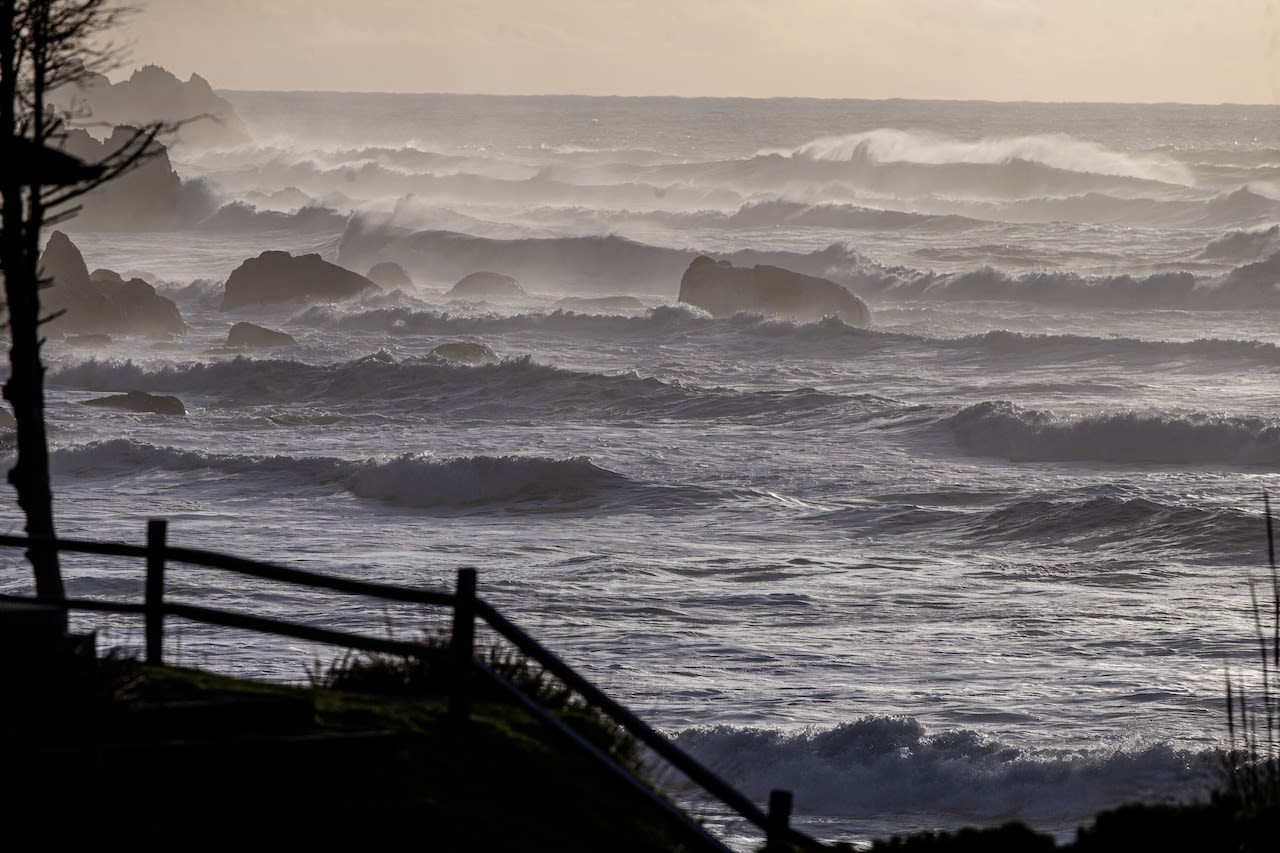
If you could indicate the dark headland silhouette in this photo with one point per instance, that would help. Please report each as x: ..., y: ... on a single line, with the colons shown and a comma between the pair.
x: 154, y: 94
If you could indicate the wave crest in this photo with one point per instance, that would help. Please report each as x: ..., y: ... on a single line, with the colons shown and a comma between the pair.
x: 892, y: 765
x: 1056, y: 150
x: 1001, y: 429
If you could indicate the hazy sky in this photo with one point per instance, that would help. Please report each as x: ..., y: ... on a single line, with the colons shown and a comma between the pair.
x: 1197, y: 51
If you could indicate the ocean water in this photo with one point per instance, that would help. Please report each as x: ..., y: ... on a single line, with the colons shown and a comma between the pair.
x: 988, y: 559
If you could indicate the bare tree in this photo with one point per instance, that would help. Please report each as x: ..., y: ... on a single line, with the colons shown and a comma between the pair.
x: 45, y: 45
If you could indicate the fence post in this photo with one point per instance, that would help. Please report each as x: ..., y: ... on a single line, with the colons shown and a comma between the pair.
x: 776, y: 836
x: 156, y: 535
x: 462, y: 649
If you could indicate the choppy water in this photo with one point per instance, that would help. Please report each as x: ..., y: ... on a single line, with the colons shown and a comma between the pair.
x: 985, y: 560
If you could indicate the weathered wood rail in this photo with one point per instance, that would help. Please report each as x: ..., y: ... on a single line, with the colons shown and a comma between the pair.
x: 467, y: 608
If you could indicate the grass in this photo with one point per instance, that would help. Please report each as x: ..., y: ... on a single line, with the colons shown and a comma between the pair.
x: 1252, y: 763
x: 429, y: 675
x: 365, y: 754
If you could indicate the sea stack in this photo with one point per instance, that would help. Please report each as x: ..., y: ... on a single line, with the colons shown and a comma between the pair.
x: 724, y: 290
x: 275, y: 277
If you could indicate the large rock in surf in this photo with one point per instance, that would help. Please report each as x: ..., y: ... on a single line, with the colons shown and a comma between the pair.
x: 724, y: 290
x: 102, y: 303
x: 486, y: 285
x: 141, y: 401
x: 275, y: 277
x: 466, y: 352
x: 145, y: 311
x: 389, y: 274
x: 250, y: 335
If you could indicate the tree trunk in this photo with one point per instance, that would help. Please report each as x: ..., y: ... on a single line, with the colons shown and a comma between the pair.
x: 19, y: 261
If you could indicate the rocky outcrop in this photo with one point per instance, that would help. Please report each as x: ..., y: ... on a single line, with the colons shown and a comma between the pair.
x: 389, y: 274
x: 145, y: 311
x: 250, y: 335
x: 140, y: 401
x: 722, y: 290
x: 486, y: 285
x: 147, y: 197
x: 103, y: 303
x: 153, y: 94
x: 466, y: 353
x: 279, y: 277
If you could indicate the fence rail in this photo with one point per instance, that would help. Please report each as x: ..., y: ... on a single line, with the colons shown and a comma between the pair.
x: 467, y: 609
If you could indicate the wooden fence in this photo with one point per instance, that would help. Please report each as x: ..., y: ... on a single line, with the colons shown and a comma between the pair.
x: 467, y: 608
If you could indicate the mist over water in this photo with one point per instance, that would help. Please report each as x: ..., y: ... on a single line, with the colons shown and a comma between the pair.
x: 983, y: 560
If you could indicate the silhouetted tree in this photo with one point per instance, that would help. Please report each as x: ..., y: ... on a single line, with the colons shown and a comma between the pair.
x: 45, y: 45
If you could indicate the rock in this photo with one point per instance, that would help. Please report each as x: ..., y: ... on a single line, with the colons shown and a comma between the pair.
x: 275, y: 277
x: 602, y: 303
x: 486, y: 285
x: 147, y: 197
x: 140, y: 401
x: 390, y: 275
x: 250, y: 335
x: 104, y: 302
x: 154, y: 94
x: 7, y: 420
x: 145, y: 311
x: 723, y: 290
x: 466, y: 353
x: 85, y: 307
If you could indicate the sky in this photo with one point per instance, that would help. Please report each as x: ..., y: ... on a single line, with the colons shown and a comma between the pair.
x: 1191, y: 51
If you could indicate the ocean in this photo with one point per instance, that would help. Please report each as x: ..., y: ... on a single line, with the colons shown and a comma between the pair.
x: 988, y: 559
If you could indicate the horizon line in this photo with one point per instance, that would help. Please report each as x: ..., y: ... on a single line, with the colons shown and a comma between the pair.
x: 1011, y: 101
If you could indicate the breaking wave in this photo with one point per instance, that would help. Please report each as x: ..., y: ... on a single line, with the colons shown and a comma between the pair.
x: 411, y: 480
x: 1002, y: 429
x: 1056, y: 150
x: 426, y: 388
x: 893, y: 765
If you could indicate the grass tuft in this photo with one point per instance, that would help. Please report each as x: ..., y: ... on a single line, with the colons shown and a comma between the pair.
x: 1252, y: 763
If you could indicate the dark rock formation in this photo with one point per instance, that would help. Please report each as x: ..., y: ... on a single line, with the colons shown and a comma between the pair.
x: 486, y: 285
x: 103, y: 303
x: 140, y: 401
x: 601, y: 303
x: 145, y: 311
x: 250, y: 335
x: 148, y: 197
x: 723, y: 290
x: 153, y: 94
x: 389, y: 274
x: 585, y: 265
x: 275, y: 277
x: 466, y: 353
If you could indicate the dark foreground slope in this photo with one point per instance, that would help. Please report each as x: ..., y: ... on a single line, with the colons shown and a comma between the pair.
x: 101, y: 749
x: 115, y: 750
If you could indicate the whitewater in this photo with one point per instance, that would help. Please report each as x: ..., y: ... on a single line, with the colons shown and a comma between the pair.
x: 987, y: 559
